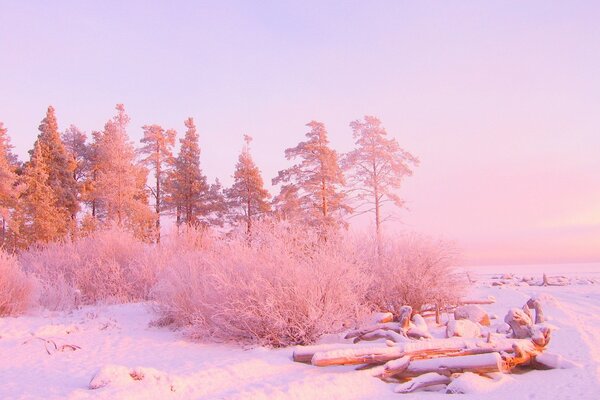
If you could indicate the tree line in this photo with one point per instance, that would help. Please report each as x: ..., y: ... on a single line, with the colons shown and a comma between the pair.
x: 72, y: 185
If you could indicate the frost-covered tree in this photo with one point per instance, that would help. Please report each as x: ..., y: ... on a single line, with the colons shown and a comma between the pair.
x: 75, y: 143
x: 59, y: 164
x: 8, y: 179
x: 120, y: 182
x: 39, y: 216
x: 189, y: 195
x: 318, y: 178
x: 286, y: 205
x: 247, y: 199
x: 376, y: 168
x: 88, y: 187
x: 157, y: 150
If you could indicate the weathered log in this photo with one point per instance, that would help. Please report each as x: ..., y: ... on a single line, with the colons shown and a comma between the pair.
x: 488, y: 300
x: 393, y: 326
x: 404, y: 317
x: 478, y: 363
x: 423, y: 381
x: 383, y: 334
x: 539, y: 312
x: 305, y: 354
x: 427, y: 348
x: 519, y: 322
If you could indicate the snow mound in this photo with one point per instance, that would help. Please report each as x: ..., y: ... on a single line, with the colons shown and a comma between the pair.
x: 118, y: 375
x: 471, y: 383
x: 463, y: 328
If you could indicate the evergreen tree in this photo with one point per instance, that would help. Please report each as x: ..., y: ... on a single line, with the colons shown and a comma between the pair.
x: 376, y: 168
x: 8, y: 187
x: 247, y: 198
x: 120, y: 184
x: 39, y: 217
x: 75, y: 143
x: 88, y: 187
x: 317, y: 178
x: 189, y: 195
x: 158, y: 150
x: 59, y: 164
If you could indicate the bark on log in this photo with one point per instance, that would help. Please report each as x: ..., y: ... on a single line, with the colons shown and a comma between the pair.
x: 539, y: 312
x: 415, y: 349
x: 519, y: 322
x: 489, y: 300
x: 304, y: 354
x: 478, y: 363
x: 383, y: 334
x: 393, y: 326
x: 404, y: 317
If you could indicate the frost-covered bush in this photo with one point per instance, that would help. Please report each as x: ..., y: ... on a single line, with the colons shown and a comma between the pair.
x: 16, y: 287
x: 107, y: 265
x: 414, y: 270
x: 283, y: 286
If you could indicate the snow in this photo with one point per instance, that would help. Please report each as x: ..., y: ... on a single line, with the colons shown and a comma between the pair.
x: 61, y: 355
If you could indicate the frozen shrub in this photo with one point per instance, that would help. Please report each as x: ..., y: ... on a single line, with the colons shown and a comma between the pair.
x: 15, y: 286
x: 414, y: 270
x: 280, y: 287
x: 107, y: 265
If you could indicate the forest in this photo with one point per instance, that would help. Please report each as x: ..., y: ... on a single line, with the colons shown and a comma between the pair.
x: 81, y: 224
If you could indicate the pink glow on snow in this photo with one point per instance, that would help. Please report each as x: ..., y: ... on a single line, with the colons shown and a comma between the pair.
x: 498, y: 100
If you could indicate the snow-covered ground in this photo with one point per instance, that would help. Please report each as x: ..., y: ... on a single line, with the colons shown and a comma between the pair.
x: 55, y: 355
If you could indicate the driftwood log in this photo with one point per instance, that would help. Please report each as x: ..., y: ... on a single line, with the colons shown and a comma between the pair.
x: 417, y: 364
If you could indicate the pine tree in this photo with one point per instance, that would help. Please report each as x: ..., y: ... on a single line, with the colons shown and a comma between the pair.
x: 39, y: 217
x: 75, y: 143
x: 376, y: 168
x: 189, y: 195
x: 247, y: 198
x: 59, y: 164
x: 8, y: 187
x: 158, y: 149
x: 119, y: 186
x: 88, y: 187
x: 318, y: 179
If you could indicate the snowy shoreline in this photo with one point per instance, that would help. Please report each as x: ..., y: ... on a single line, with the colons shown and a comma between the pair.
x: 117, y: 340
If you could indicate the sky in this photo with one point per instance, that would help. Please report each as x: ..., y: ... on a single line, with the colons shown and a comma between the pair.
x: 500, y: 100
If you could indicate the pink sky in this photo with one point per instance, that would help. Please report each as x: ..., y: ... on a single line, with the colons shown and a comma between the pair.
x: 500, y: 100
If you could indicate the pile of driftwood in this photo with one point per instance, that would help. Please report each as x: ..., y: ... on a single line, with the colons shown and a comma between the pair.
x: 412, y: 357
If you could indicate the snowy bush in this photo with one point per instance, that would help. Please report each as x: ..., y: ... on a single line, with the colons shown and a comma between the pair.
x: 283, y: 286
x: 414, y: 270
x: 15, y: 286
x: 108, y: 265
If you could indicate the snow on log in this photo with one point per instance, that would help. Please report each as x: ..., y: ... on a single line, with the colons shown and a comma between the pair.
x: 305, y: 354
x: 393, y: 326
x: 349, y: 355
x: 488, y: 300
x: 539, y: 312
x: 478, y: 363
x: 382, y: 334
x: 404, y: 317
x: 519, y: 322
x: 423, y: 381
